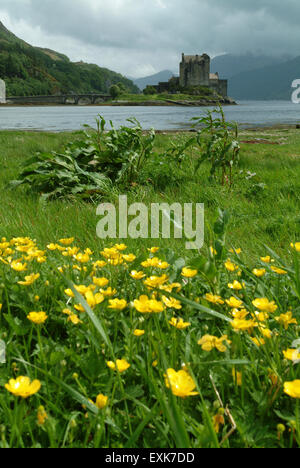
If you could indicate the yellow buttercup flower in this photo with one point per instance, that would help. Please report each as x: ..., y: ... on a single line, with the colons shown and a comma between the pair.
x: 265, y: 305
x: 279, y: 271
x: 240, y: 324
x: 23, y: 387
x: 121, y: 365
x: 239, y: 313
x: 129, y: 258
x: 296, y: 246
x: 146, y: 305
x: 234, y: 303
x: 101, y: 282
x: 18, y: 266
x: 266, y: 259
x: 179, y: 323
x: 41, y: 416
x: 121, y: 247
x: 29, y: 280
x: 237, y: 251
x: 236, y: 285
x: 259, y: 272
x: 286, y: 319
x: 137, y: 275
x: 37, y: 317
x: 218, y: 420
x: 189, y: 273
x: 138, y: 332
x: 101, y: 401
x: 117, y: 304
x: 74, y: 319
x: 214, y: 299
x: 155, y: 281
x: 292, y: 354
x: 237, y: 377
x: 67, y: 241
x: 208, y: 342
x: 292, y: 388
x: 153, y: 250
x: 172, y: 303
x: 230, y: 266
x: 180, y: 383
x: 93, y: 299
x: 258, y: 341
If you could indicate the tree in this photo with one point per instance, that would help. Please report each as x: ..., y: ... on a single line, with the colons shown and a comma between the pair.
x: 149, y: 90
x: 114, y: 91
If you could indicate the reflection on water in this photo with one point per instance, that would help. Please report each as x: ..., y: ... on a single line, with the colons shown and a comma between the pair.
x: 68, y: 118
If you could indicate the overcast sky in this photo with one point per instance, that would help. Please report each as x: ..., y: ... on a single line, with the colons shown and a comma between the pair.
x: 141, y: 37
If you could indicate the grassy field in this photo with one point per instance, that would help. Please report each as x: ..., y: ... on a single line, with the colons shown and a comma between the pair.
x: 197, y: 349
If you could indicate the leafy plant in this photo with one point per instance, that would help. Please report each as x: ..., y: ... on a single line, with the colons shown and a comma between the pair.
x: 218, y: 142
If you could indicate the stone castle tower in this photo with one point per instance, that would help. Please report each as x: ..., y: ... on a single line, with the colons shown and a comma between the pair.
x: 194, y: 70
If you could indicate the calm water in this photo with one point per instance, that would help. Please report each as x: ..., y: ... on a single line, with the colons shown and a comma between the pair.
x: 63, y: 118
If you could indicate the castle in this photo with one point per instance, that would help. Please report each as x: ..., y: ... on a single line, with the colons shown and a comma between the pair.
x: 2, y: 92
x: 194, y: 70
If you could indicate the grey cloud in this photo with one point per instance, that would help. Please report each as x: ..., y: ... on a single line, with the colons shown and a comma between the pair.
x: 140, y: 34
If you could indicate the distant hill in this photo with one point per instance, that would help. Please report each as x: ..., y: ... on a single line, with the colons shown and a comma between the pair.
x: 271, y: 82
x: 229, y: 65
x: 152, y: 80
x: 29, y: 70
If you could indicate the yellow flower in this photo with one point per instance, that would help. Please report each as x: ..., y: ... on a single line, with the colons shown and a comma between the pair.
x: 121, y: 365
x: 101, y: 282
x: 218, y: 420
x: 214, y: 298
x: 259, y: 272
x: 179, y: 323
x: 108, y: 292
x: 265, y: 305
x: 18, y: 266
x: 121, y: 247
x: 279, y: 271
x: 292, y: 388
x: 171, y: 303
x: 153, y: 250
x: 239, y: 314
x: 82, y: 257
x: 239, y: 324
x: 286, y: 319
x: 37, y: 317
x: 99, y: 264
x: 181, y: 383
x: 29, y: 279
x: 74, y: 319
x: 235, y: 285
x: 296, y: 246
x: 230, y: 266
x: 155, y: 281
x: 138, y: 332
x: 258, y: 341
x: 292, y: 354
x: 129, y: 258
x: 23, y: 387
x: 137, y: 275
x: 237, y: 377
x: 212, y: 251
x: 234, y: 303
x: 146, y: 305
x: 117, y: 304
x: 208, y: 342
x: 189, y: 273
x: 101, y: 401
x: 237, y: 251
x: 67, y: 241
x: 41, y: 416
x: 266, y: 259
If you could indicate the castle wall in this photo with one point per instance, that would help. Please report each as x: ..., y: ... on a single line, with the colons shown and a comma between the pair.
x: 2, y: 92
x: 194, y: 70
x: 220, y: 86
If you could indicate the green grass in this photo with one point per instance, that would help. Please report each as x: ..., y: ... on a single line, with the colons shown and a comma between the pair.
x: 70, y: 360
x: 264, y: 209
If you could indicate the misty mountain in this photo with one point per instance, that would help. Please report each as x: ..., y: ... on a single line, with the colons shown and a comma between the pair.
x: 152, y: 80
x: 271, y: 82
x: 229, y: 65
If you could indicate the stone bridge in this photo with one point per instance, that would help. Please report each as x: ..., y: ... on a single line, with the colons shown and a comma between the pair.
x: 63, y: 99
